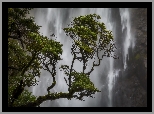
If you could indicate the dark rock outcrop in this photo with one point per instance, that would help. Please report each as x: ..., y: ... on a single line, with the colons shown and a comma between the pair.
x: 130, y: 89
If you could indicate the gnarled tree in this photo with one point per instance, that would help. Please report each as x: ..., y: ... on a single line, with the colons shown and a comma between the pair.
x: 28, y: 52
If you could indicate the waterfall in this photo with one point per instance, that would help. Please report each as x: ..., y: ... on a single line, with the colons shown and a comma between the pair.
x: 54, y: 20
x: 125, y: 22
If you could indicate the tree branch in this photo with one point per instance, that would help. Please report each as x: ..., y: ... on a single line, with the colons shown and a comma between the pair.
x: 16, y: 93
x: 53, y: 73
x: 40, y: 99
x: 84, y: 63
x: 71, y: 72
x: 94, y: 63
x: 30, y: 62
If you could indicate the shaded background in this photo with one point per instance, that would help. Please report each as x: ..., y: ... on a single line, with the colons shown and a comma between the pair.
x: 123, y: 82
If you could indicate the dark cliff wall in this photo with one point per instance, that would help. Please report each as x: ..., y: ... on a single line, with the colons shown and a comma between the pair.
x: 130, y: 89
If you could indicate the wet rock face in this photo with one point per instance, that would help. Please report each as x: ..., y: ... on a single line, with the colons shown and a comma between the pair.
x: 130, y: 89
x: 140, y: 15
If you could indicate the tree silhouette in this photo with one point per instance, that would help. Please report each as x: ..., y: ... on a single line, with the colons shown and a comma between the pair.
x: 29, y: 52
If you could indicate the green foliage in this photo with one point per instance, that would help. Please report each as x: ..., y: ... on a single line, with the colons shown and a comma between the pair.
x: 81, y: 81
x: 43, y: 45
x: 90, y: 36
x: 84, y: 30
x: 29, y: 52
x: 25, y: 46
x: 25, y: 97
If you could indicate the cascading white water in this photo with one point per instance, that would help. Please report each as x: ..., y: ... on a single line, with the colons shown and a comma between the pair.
x: 55, y: 20
x: 125, y: 22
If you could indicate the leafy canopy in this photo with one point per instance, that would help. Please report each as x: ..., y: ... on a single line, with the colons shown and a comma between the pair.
x: 29, y: 52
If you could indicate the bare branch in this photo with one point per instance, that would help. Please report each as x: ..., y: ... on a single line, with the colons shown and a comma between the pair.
x: 66, y: 81
x: 53, y: 73
x: 71, y: 72
x: 94, y: 63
